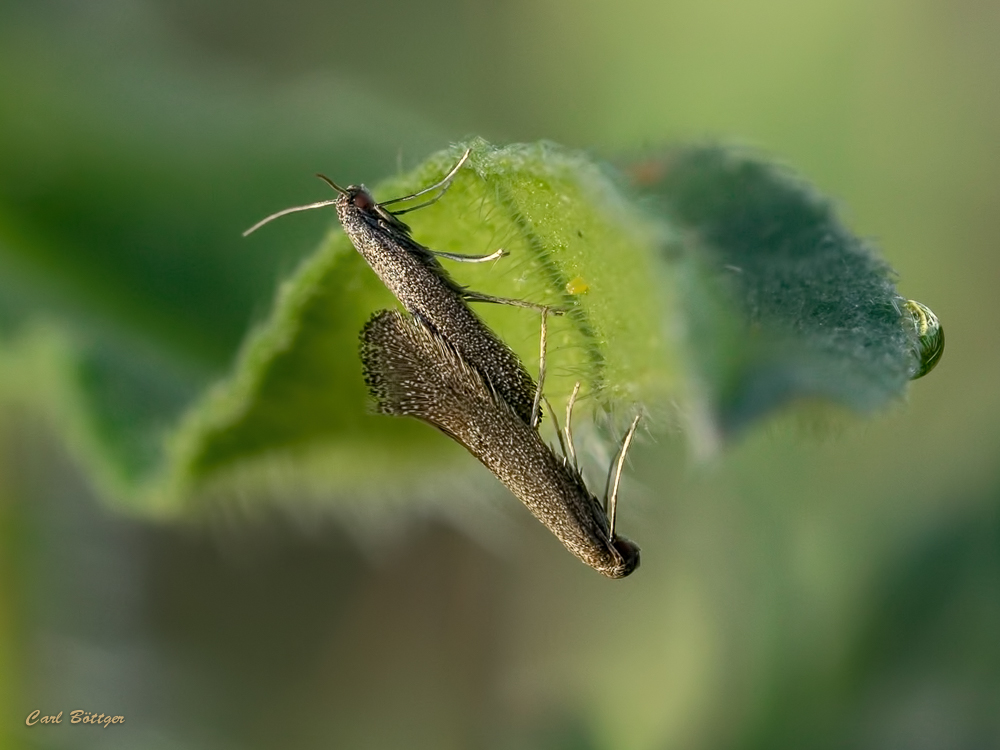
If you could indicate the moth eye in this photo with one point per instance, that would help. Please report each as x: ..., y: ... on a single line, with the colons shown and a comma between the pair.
x: 930, y: 336
x: 363, y: 200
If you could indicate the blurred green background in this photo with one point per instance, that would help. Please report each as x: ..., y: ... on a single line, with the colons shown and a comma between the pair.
x: 838, y: 589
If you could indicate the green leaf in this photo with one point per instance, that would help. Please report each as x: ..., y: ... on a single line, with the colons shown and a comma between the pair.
x: 298, y: 383
x: 729, y: 285
x: 783, y: 302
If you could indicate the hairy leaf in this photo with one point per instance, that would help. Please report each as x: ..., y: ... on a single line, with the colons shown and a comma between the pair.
x: 782, y: 301
x: 730, y: 284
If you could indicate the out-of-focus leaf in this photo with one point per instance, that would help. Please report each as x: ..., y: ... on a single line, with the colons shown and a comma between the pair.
x: 123, y: 206
x: 925, y: 655
x: 782, y: 301
x: 122, y: 197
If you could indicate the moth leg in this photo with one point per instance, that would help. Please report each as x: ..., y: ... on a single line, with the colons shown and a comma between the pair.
x: 535, y: 414
x: 569, y: 423
x: 472, y: 296
x: 500, y: 253
x: 559, y: 432
x: 545, y: 310
x: 611, y: 501
x: 444, y: 183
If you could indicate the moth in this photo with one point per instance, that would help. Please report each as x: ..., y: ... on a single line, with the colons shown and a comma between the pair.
x: 413, y: 274
x: 411, y: 370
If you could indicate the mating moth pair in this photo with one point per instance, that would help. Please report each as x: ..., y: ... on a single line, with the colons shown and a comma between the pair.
x: 441, y: 364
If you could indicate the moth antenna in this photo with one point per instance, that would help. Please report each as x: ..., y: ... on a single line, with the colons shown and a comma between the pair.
x: 444, y: 182
x: 425, y: 204
x: 332, y: 184
x: 284, y: 211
